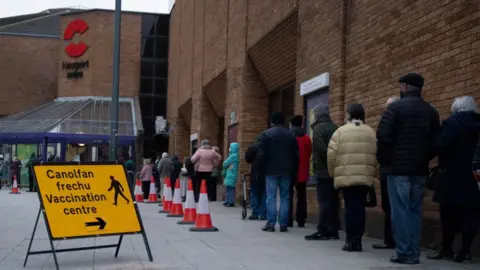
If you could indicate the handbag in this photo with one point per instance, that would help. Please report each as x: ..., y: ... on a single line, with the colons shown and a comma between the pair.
x: 371, y: 199
x: 434, y: 177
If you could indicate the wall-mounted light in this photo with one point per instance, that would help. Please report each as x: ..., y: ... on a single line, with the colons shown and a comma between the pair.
x: 81, y: 144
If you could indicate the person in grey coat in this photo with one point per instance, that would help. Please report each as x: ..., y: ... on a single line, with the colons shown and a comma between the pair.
x: 165, y: 168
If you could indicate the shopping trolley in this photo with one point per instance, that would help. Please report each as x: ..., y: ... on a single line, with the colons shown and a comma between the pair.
x: 246, y: 192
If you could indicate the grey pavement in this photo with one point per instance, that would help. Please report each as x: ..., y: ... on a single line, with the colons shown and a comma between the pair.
x: 239, y: 244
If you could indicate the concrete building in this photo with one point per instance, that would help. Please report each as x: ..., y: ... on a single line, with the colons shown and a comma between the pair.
x: 57, y: 81
x: 232, y: 63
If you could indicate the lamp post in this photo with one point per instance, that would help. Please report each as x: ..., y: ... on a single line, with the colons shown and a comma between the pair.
x: 116, y: 77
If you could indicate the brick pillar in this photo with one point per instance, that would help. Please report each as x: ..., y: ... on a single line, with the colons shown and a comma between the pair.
x: 179, y: 142
x: 208, y: 124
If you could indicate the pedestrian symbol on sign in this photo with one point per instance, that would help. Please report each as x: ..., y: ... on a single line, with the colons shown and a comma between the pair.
x: 118, y: 188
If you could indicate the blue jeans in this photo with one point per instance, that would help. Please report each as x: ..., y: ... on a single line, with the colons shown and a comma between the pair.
x: 406, y: 201
x: 230, y: 196
x: 258, y: 199
x: 283, y: 183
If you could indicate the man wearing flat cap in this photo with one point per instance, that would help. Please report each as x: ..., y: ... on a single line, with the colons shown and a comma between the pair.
x: 405, y: 144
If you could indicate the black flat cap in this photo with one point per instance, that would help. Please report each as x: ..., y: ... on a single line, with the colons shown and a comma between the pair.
x: 412, y: 79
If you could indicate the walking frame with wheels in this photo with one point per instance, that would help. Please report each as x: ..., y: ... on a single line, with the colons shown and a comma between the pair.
x: 245, y: 195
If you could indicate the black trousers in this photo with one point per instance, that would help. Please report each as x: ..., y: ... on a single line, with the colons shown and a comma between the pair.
x: 387, y: 226
x: 199, y: 176
x: 146, y: 189
x: 458, y: 218
x: 212, y: 188
x: 355, y: 199
x: 301, y: 211
x: 329, y: 201
x: 31, y: 182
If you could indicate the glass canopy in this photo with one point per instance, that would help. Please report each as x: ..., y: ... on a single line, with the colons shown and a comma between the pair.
x: 73, y: 115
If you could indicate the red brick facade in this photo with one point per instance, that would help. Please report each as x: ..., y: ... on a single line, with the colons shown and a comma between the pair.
x: 259, y: 46
x: 33, y: 65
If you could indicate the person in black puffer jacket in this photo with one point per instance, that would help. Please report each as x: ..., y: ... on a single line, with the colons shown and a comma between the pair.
x: 258, y: 195
x: 406, y: 138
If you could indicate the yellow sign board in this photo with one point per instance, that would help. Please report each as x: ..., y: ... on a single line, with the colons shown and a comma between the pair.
x: 86, y: 200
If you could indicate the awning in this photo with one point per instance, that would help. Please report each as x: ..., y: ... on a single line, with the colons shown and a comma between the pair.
x: 86, y: 118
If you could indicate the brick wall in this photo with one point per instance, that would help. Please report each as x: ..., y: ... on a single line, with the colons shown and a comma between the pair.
x: 97, y: 79
x: 29, y: 76
x: 185, y: 73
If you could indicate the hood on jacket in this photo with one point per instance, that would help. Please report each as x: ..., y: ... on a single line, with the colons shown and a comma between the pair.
x: 234, y: 147
x: 298, y: 131
x: 467, y: 121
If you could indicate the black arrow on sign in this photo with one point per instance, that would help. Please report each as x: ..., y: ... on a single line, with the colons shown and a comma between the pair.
x: 100, y: 222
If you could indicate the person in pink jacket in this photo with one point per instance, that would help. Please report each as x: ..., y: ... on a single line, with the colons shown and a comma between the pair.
x: 205, y: 160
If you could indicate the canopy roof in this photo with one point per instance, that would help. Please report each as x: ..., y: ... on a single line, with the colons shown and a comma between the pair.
x: 73, y: 115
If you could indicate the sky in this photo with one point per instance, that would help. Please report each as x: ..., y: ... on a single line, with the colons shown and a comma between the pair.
x: 18, y: 7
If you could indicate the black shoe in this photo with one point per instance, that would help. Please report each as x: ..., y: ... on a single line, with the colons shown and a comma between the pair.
x: 357, y: 244
x: 263, y: 218
x: 462, y: 256
x: 301, y: 225
x: 441, y: 255
x: 253, y: 218
x: 383, y: 246
x: 334, y: 236
x: 290, y: 224
x: 348, y: 246
x: 230, y: 205
x: 318, y: 236
x: 403, y: 261
x: 268, y: 229
x: 283, y: 229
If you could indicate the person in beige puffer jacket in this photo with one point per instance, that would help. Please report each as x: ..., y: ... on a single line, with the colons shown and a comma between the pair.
x: 352, y: 163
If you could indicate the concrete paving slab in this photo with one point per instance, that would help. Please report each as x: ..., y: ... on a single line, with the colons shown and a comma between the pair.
x: 239, y: 245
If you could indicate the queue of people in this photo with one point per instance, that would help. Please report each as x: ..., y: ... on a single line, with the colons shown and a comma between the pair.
x: 347, y: 160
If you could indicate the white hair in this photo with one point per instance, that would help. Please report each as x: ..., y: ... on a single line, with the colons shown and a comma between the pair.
x: 464, y: 104
x: 164, y: 155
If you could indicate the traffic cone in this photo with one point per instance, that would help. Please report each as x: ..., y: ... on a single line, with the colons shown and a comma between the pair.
x: 15, y: 186
x: 190, y: 211
x: 167, y: 193
x: 138, y: 191
x: 152, y: 197
x: 203, y: 223
x: 177, y: 208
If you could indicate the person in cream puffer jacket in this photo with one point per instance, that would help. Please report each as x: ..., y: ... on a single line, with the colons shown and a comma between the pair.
x: 352, y: 162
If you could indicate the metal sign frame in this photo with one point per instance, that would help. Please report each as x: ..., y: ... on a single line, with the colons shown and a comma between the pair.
x: 54, y: 251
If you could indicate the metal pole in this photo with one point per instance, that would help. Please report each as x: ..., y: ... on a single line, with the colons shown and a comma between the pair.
x: 116, y: 75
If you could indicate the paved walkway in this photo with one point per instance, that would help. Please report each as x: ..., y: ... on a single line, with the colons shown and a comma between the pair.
x: 238, y: 245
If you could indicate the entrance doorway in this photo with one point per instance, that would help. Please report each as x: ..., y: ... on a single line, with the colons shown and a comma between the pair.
x: 282, y: 100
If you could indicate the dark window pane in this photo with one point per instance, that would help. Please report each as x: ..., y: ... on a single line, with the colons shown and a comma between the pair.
x: 148, y: 126
x: 160, y: 87
x: 163, y: 25
x: 146, y: 86
x: 161, y: 47
x: 146, y: 106
x: 160, y: 106
x: 148, y: 22
x: 147, y: 47
x: 147, y: 69
x: 161, y: 69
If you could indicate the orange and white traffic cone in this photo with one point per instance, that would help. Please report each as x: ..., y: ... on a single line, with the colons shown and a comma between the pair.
x: 167, y: 193
x: 15, y: 186
x: 177, y: 208
x: 204, y: 220
x: 190, y: 211
x: 152, y: 197
x: 137, y: 192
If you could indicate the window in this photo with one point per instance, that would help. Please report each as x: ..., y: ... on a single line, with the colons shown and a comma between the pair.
x: 163, y: 25
x: 161, y: 69
x: 146, y: 69
x: 160, y: 88
x: 159, y: 106
x: 147, y: 47
x: 161, y: 47
x: 146, y: 106
x: 148, y: 24
x: 146, y: 86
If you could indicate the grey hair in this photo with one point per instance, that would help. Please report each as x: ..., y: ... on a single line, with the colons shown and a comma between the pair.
x: 164, y: 155
x: 321, y: 110
x: 464, y: 104
x: 205, y: 142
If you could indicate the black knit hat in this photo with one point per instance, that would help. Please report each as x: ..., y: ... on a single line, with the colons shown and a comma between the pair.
x: 277, y: 118
x: 412, y: 79
x: 297, y: 121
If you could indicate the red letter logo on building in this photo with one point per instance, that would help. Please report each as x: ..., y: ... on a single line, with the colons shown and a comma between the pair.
x: 75, y: 49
